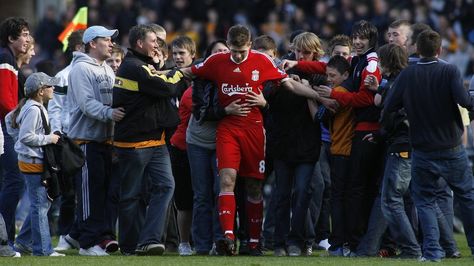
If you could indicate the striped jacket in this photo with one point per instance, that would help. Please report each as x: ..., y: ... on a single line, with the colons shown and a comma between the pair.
x: 146, y: 97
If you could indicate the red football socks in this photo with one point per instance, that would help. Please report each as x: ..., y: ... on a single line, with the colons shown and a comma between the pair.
x: 227, y: 213
x: 254, y: 220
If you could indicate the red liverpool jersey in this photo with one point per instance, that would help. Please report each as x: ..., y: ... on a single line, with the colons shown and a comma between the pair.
x: 236, y: 80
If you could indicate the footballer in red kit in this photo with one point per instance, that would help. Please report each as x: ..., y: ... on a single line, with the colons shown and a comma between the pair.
x: 240, y: 139
x: 235, y: 80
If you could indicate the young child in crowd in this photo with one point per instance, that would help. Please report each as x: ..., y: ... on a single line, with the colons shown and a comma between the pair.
x: 341, y: 128
x: 35, y: 235
x: 116, y: 59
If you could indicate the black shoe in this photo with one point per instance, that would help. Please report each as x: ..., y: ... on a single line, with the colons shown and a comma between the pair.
x: 226, y: 246
x: 255, y: 251
x: 150, y: 250
x: 244, y: 248
x: 455, y: 255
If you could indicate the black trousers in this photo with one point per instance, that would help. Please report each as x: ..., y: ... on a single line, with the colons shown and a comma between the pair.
x: 96, y: 206
x: 366, y: 172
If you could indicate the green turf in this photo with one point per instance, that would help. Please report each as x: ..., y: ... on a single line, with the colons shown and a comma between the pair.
x: 318, y: 258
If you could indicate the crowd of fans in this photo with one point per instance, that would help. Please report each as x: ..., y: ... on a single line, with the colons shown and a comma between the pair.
x: 347, y: 136
x: 207, y: 20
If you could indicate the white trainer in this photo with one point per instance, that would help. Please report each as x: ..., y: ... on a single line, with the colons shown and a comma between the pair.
x: 324, y: 244
x: 63, y: 244
x: 55, y: 254
x: 185, y: 249
x: 93, y: 251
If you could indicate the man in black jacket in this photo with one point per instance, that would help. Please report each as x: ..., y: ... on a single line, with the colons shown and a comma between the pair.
x: 430, y: 91
x: 140, y: 143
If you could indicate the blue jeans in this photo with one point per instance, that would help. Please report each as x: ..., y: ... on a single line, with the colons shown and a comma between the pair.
x: 427, y: 169
x: 206, y: 227
x: 370, y: 242
x: 445, y: 218
x: 35, y: 231
x: 23, y: 208
x: 299, y: 179
x: 320, y: 207
x: 13, y: 184
x: 395, y: 186
x: 139, y: 225
x: 270, y: 210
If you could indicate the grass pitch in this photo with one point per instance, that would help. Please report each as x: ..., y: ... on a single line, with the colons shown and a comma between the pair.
x: 318, y: 258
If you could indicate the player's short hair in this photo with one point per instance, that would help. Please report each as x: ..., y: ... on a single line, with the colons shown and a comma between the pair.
x: 238, y: 35
x: 310, y: 42
x: 12, y: 26
x: 138, y: 32
x: 116, y: 49
x: 365, y: 30
x: 398, y: 23
x: 339, y: 63
x: 428, y: 43
x: 416, y: 29
x: 184, y: 42
x: 393, y: 57
x: 341, y: 40
x: 264, y: 42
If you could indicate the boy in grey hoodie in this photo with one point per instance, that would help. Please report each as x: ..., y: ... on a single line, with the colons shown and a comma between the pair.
x: 34, y: 235
x: 91, y: 120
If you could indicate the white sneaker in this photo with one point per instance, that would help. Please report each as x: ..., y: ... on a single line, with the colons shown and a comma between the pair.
x: 93, y: 251
x: 72, y: 242
x: 62, y: 244
x: 55, y: 254
x: 324, y: 244
x: 17, y: 255
x: 185, y: 249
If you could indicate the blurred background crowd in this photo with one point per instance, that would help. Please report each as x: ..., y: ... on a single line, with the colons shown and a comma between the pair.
x: 206, y: 20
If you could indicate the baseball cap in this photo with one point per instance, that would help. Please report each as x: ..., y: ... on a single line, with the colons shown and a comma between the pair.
x: 37, y: 80
x: 98, y: 31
